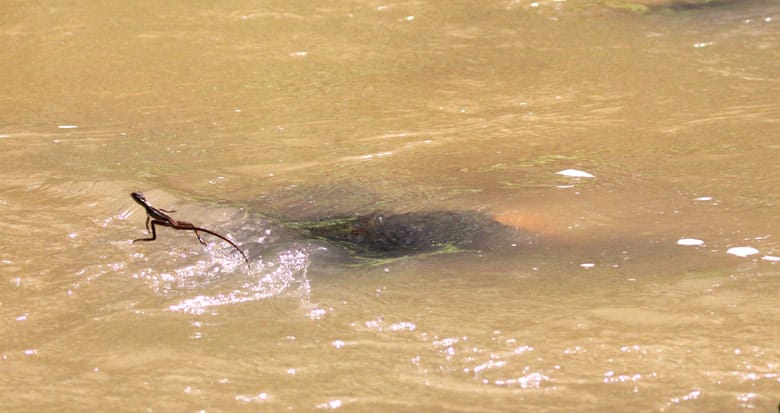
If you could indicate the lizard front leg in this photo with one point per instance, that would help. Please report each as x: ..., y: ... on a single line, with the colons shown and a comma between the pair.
x: 153, y: 230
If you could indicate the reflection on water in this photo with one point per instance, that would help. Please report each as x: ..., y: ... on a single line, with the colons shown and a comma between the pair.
x: 651, y: 285
x: 263, y: 280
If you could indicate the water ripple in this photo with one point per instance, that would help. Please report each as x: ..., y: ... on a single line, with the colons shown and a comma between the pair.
x: 265, y: 280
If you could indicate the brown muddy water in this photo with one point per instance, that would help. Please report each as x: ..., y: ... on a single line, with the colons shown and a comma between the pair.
x: 241, y: 115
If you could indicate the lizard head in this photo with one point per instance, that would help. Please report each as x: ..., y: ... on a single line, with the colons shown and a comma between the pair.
x: 138, y: 197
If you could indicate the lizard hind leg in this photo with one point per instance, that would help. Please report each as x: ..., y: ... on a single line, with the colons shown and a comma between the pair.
x: 200, y: 239
x: 233, y: 244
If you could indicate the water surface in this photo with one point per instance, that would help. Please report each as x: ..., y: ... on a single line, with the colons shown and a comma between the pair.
x: 241, y: 115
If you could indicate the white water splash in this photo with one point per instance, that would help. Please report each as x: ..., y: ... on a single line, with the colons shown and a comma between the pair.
x: 575, y: 173
x: 267, y: 280
x: 742, y: 251
x: 690, y: 242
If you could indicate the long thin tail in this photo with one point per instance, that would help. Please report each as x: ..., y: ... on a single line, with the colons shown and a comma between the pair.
x: 224, y: 239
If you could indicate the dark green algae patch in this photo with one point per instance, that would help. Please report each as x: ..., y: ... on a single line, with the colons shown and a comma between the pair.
x: 379, y: 235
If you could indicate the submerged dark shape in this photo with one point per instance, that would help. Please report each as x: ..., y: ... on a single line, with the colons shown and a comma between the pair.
x: 695, y: 4
x: 390, y: 235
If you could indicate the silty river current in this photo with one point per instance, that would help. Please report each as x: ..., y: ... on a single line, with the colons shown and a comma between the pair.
x: 585, y: 194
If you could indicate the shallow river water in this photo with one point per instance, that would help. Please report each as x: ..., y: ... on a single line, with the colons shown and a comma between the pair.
x: 240, y: 115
